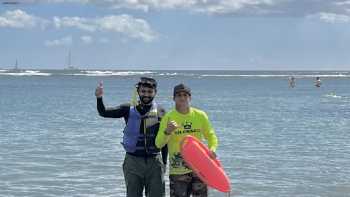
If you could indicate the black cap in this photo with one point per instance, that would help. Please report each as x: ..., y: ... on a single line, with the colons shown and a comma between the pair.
x: 182, y: 88
x: 147, y: 82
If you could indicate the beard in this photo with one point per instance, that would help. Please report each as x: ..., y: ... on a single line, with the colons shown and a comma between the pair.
x: 146, y: 100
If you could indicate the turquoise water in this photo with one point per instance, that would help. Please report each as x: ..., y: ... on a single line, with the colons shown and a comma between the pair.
x: 274, y: 140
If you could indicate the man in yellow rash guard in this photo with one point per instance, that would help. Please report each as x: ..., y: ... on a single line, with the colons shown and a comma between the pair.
x: 175, y: 125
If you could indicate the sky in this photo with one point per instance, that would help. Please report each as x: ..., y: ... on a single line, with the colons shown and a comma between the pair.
x: 176, y: 34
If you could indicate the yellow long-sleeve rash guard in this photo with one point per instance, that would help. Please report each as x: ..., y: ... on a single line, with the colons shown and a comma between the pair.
x: 195, y: 123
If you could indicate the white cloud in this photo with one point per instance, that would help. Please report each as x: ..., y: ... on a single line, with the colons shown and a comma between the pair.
x: 334, y: 18
x: 124, y: 24
x: 150, y: 4
x: 65, y: 41
x: 43, y: 1
x: 299, y: 8
x: 20, y: 19
x: 235, y: 6
x: 78, y: 22
x: 342, y: 3
x: 331, y: 17
x: 208, y: 6
x: 127, y: 25
x: 204, y: 6
x: 86, y: 39
x: 130, y: 4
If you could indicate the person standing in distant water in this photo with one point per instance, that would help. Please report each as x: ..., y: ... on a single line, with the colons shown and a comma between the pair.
x: 318, y: 82
x: 143, y: 165
x: 291, y: 82
x: 184, y: 120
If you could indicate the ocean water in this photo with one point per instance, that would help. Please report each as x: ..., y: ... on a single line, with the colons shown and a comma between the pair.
x: 273, y: 140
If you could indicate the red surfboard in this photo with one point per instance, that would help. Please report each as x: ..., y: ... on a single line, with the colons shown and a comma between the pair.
x: 209, y: 170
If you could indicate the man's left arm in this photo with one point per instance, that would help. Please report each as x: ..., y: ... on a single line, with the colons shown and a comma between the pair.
x: 209, y: 133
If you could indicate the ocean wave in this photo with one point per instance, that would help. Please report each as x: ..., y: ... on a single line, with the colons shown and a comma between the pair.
x: 111, y: 73
x: 26, y: 73
x: 195, y: 74
x: 168, y: 74
x: 189, y: 74
x: 325, y: 76
x: 280, y: 76
x: 333, y: 95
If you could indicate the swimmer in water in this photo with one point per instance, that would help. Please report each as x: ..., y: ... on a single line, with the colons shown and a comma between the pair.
x: 318, y: 82
x: 291, y: 81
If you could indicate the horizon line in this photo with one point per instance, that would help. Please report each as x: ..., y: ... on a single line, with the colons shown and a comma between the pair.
x: 155, y: 69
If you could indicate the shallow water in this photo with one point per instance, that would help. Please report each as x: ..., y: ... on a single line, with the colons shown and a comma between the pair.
x: 273, y: 140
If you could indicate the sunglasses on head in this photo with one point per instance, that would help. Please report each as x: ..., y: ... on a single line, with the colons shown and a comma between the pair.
x: 148, y: 82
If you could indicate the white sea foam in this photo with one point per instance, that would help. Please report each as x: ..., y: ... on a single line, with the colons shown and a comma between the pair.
x: 187, y: 74
x: 333, y: 95
x: 111, y: 73
x: 200, y: 74
x: 168, y: 74
x: 26, y: 73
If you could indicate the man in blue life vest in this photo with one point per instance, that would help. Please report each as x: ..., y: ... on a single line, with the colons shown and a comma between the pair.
x: 143, y: 165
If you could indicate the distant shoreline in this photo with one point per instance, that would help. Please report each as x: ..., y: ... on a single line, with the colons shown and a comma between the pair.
x: 114, y: 69
x: 176, y: 73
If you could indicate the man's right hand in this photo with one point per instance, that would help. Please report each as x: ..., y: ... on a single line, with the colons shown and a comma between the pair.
x: 99, y: 90
x: 171, y: 127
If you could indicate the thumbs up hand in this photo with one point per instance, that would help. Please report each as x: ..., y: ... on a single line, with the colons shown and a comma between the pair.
x: 99, y: 90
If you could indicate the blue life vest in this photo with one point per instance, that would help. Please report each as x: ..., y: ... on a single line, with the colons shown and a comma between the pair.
x: 133, y: 139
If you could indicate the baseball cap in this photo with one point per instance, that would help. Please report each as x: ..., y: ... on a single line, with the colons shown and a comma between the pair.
x: 182, y: 88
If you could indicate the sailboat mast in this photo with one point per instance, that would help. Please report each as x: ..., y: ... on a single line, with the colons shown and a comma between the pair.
x: 16, y: 65
x: 69, y: 59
